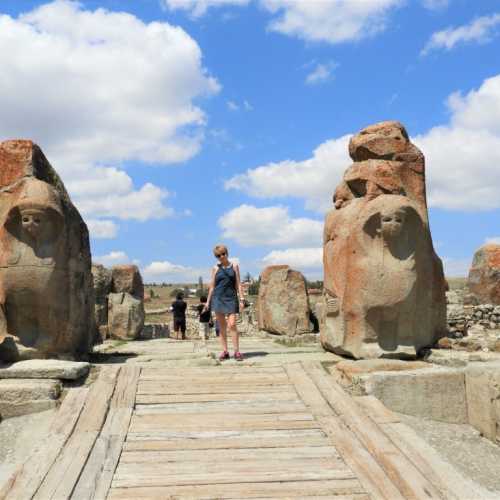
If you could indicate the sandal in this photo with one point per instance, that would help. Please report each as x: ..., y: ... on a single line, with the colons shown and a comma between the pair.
x: 238, y: 356
x: 223, y: 355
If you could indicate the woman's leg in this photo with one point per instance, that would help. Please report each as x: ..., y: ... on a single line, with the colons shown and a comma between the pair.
x: 222, y: 330
x: 231, y: 325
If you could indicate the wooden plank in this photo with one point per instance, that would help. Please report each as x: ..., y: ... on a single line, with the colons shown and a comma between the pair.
x: 161, y: 388
x: 226, y: 370
x: 285, y: 395
x: 367, y: 470
x: 64, y: 474
x: 29, y: 476
x: 407, y: 478
x: 230, y: 440
x: 221, y: 476
x: 307, y: 390
x: 218, y: 378
x: 215, y: 422
x: 126, y: 387
x: 263, y: 454
x: 376, y: 410
x: 442, y: 475
x: 233, y: 407
x: 95, y: 480
x: 243, y: 490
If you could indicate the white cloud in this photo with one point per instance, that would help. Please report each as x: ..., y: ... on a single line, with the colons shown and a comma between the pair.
x: 141, y: 205
x: 297, y: 258
x: 102, y: 229
x: 480, y: 30
x: 435, y: 4
x: 232, y: 106
x: 462, y: 157
x: 332, y: 21
x: 167, y: 272
x: 112, y: 258
x: 98, y: 88
x: 321, y: 73
x: 313, y: 179
x: 198, y: 8
x: 251, y: 226
x: 247, y: 106
x: 493, y: 239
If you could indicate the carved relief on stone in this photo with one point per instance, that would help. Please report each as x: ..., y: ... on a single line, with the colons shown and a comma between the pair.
x: 45, y: 282
x: 381, y: 270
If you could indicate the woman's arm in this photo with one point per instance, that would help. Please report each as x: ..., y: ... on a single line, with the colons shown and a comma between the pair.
x: 238, y: 283
x: 210, y: 290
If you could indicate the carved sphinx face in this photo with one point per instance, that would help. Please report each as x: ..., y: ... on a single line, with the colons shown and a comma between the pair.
x: 391, y: 224
x: 33, y: 222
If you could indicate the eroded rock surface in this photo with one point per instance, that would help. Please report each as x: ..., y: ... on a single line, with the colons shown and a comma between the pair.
x: 125, y: 316
x: 283, y: 302
x: 484, y: 275
x: 102, y: 288
x: 46, y: 292
x: 128, y: 279
x: 384, y: 284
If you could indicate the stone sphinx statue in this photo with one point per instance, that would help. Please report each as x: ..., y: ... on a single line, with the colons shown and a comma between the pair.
x: 46, y: 294
x: 384, y: 284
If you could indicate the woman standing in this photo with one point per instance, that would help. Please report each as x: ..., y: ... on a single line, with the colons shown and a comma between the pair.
x: 225, y: 286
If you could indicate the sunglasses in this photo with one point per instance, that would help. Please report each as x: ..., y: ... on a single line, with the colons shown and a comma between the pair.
x: 219, y: 255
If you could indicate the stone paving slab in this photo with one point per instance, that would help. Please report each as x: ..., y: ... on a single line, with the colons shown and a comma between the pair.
x: 45, y: 369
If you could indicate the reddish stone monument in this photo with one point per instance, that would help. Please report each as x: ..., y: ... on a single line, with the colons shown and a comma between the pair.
x: 384, y: 284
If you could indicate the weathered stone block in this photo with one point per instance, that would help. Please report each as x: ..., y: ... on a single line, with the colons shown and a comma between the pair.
x: 45, y: 368
x: 102, y: 280
x: 483, y: 398
x: 125, y: 316
x: 23, y: 396
x: 46, y: 292
x: 128, y: 279
x: 283, y: 302
x: 484, y: 275
x: 434, y: 393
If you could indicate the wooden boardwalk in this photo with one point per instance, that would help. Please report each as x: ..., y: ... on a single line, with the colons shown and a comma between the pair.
x: 284, y: 431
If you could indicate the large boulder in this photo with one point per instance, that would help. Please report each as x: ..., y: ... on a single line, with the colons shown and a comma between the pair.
x: 384, y: 284
x: 102, y: 288
x: 46, y: 292
x: 283, y: 302
x: 128, y: 279
x: 125, y: 316
x: 484, y: 275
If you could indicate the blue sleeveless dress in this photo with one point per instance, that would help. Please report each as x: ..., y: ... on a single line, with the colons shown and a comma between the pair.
x: 225, y: 297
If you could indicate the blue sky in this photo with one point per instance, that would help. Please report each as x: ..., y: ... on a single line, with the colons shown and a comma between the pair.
x: 178, y: 124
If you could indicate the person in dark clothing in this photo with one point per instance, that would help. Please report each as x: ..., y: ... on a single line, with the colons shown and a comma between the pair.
x: 179, y: 309
x: 205, y: 316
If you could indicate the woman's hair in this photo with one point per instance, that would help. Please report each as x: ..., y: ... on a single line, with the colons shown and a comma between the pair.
x: 220, y: 248
x: 179, y: 296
